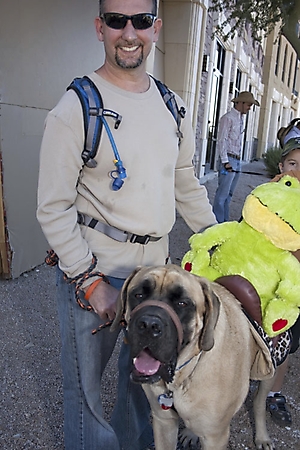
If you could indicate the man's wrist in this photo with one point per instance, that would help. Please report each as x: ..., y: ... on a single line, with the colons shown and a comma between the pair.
x: 91, y: 288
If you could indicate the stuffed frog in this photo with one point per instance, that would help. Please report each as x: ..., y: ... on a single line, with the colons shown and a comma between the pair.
x: 258, y: 248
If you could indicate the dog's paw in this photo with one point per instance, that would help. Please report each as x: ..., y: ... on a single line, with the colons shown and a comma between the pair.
x: 187, y: 440
x: 264, y: 445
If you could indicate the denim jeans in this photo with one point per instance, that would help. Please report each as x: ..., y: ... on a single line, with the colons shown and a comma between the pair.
x: 84, y: 357
x: 226, y: 185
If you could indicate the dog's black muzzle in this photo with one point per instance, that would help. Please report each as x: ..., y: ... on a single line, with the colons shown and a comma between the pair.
x: 155, y: 336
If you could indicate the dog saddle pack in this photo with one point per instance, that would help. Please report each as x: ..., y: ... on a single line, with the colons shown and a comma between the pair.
x: 94, y: 116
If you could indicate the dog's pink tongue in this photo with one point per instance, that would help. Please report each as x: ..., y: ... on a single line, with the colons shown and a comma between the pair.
x: 146, y: 364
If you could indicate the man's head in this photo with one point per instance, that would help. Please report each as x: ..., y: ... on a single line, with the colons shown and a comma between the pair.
x: 103, y: 2
x: 128, y: 31
x: 244, y: 101
x: 290, y: 157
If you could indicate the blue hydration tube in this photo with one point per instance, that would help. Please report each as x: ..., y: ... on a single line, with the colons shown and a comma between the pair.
x: 119, y: 173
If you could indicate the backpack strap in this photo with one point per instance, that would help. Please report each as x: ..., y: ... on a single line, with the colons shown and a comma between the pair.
x: 92, y: 107
x: 93, y: 116
x: 171, y: 103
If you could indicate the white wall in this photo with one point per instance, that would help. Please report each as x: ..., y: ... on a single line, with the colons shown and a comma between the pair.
x: 43, y: 46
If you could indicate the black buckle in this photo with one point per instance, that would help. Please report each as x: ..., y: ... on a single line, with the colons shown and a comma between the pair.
x: 80, y: 218
x: 136, y: 239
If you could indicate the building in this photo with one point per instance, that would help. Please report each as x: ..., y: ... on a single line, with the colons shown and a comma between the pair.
x: 281, y: 79
x: 229, y: 67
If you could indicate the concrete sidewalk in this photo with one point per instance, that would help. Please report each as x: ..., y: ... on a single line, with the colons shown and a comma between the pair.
x: 31, y: 384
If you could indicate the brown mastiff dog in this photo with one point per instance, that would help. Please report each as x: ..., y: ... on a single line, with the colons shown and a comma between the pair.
x: 194, y: 352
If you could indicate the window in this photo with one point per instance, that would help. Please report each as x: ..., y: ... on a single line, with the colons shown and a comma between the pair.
x: 277, y: 56
x: 295, y: 77
x: 238, y: 79
x: 290, y: 70
x: 284, y: 63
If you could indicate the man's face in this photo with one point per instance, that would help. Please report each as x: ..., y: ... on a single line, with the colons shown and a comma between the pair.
x: 127, y: 48
x: 243, y: 107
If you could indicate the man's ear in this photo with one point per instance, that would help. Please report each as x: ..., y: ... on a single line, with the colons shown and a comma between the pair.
x: 99, y: 28
x: 157, y: 27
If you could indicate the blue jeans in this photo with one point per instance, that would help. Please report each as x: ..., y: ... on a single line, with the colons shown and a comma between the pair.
x: 226, y: 185
x: 84, y: 357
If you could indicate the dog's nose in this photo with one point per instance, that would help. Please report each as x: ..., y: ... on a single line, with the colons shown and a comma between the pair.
x: 151, y: 325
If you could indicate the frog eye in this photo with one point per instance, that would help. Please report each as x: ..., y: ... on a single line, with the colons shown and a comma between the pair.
x: 288, y: 183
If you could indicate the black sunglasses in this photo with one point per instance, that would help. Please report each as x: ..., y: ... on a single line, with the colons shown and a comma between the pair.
x: 119, y: 21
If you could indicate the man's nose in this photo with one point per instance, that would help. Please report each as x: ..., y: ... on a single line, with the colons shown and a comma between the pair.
x: 129, y: 32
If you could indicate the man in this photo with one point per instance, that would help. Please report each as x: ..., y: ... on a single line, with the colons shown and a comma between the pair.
x: 160, y: 177
x: 229, y: 147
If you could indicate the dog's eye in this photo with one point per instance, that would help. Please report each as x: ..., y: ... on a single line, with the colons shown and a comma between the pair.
x: 139, y: 296
x: 182, y: 303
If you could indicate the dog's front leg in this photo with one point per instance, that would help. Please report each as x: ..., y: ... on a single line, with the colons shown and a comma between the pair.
x: 165, y: 422
x: 262, y: 439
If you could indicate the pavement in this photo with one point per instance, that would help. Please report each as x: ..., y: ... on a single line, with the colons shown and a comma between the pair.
x: 31, y: 382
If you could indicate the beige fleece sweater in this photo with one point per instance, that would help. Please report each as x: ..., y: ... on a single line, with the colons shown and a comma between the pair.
x: 159, y: 179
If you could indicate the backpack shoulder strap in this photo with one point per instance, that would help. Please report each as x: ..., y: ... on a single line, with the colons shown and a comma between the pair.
x: 92, y: 107
x: 171, y: 103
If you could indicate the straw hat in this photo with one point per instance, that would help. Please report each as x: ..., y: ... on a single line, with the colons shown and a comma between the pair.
x: 246, y: 97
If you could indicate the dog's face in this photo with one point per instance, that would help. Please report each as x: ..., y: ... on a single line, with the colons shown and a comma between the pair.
x: 165, y: 309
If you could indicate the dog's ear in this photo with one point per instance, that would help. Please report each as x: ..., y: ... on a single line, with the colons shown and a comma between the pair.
x: 121, y: 301
x: 212, y: 309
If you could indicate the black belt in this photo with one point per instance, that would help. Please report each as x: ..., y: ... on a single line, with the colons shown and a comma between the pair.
x: 114, y: 233
x: 232, y: 155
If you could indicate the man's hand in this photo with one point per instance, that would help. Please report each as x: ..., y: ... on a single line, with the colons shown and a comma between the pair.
x: 104, y: 301
x: 228, y: 167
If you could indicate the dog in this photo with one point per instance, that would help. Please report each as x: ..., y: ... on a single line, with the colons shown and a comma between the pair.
x: 194, y: 352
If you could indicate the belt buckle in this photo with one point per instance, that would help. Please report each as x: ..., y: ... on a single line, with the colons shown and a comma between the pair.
x: 136, y: 239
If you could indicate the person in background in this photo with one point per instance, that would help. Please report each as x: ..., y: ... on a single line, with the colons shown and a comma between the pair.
x: 276, y: 402
x: 229, y: 148
x: 119, y: 229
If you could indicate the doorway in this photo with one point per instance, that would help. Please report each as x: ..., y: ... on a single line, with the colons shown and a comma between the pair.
x: 215, y: 101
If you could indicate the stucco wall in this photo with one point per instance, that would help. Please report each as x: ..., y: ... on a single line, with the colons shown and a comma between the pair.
x: 44, y: 45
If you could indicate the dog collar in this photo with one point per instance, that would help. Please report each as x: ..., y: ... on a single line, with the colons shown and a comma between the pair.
x: 188, y: 361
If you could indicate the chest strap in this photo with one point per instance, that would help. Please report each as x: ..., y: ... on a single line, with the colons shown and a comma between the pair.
x: 114, y: 233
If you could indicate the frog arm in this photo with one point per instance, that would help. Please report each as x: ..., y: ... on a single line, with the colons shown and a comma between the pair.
x: 213, y: 236
x: 282, y: 311
x: 198, y: 263
x: 198, y: 259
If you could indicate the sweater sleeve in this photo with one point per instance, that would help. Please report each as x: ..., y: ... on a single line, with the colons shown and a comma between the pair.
x: 191, y: 198
x: 60, y: 167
